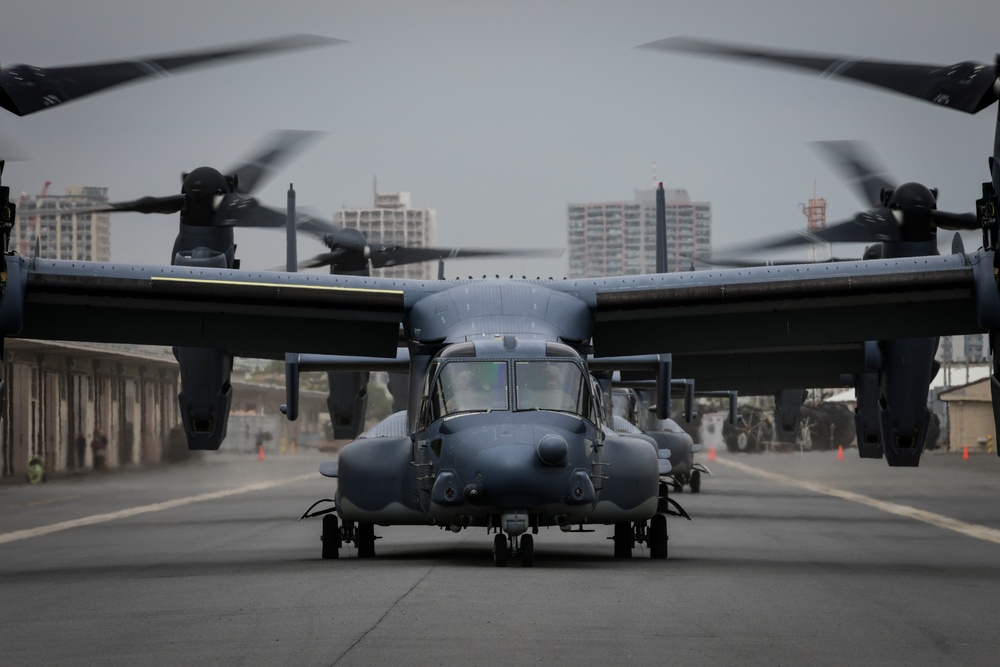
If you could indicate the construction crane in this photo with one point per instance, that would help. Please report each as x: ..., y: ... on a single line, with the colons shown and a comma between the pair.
x: 815, y: 212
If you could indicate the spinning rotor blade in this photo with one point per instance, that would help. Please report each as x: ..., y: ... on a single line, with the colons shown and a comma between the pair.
x: 747, y: 263
x: 955, y: 221
x: 396, y: 255
x: 25, y: 89
x: 872, y: 226
x: 350, y: 250
x: 278, y: 149
x: 242, y: 211
x: 170, y: 204
x: 861, y: 170
x: 966, y: 86
x: 209, y: 198
x: 858, y: 168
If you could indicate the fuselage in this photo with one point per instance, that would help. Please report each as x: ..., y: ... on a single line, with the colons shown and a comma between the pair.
x: 508, y: 434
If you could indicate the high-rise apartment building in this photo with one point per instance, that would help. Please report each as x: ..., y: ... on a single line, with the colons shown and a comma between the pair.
x: 61, y: 232
x: 619, y: 238
x: 391, y: 221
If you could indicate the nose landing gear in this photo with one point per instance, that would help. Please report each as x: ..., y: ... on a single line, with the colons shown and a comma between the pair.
x: 513, y: 546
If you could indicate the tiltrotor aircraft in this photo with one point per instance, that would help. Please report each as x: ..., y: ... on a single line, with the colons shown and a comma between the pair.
x: 504, y: 429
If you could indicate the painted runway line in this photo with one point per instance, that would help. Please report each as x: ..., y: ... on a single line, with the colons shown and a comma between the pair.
x: 146, y: 509
x: 968, y: 529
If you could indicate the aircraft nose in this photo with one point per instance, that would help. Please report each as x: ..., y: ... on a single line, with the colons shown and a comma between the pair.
x: 553, y: 450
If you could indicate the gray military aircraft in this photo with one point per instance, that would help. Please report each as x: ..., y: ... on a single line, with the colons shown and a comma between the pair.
x: 523, y: 446
x: 509, y: 454
x: 635, y: 407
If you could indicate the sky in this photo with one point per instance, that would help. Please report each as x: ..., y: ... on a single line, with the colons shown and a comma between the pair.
x: 498, y: 114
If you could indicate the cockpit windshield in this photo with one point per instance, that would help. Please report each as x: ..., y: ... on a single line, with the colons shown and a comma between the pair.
x: 468, y: 386
x: 551, y: 385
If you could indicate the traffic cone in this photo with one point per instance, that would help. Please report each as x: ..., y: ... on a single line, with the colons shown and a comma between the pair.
x: 260, y: 452
x: 840, y: 452
x: 711, y: 453
x: 965, y: 453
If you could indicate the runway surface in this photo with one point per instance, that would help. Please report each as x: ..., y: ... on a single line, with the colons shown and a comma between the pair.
x: 790, y: 559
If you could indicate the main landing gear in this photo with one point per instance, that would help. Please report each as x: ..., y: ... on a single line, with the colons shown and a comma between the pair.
x: 653, y: 534
x: 334, y: 535
x: 362, y: 535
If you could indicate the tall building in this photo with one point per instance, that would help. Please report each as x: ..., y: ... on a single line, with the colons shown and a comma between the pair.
x: 619, y: 238
x: 61, y: 232
x: 391, y: 221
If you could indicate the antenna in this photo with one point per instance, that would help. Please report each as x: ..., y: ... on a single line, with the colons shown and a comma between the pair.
x: 661, y: 230
x: 291, y: 245
x: 655, y: 178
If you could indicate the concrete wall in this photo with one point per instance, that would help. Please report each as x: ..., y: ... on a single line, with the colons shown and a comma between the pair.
x: 56, y: 392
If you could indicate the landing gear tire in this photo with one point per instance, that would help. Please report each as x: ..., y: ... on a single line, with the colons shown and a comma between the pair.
x: 500, y: 550
x: 624, y: 540
x: 662, y: 505
x: 695, y: 482
x: 366, y: 540
x: 331, y: 537
x: 658, y: 536
x: 527, y: 551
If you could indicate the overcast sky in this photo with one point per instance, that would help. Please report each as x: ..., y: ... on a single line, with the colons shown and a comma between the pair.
x: 498, y: 114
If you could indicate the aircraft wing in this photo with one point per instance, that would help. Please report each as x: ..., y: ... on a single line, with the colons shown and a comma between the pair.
x: 775, y: 309
x: 751, y: 372
x: 197, y: 307
x: 764, y: 372
x: 750, y: 329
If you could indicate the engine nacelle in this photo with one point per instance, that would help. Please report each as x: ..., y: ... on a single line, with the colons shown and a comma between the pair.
x: 908, y: 369
x: 868, y: 416
x: 788, y: 413
x: 206, y: 395
x: 348, y: 403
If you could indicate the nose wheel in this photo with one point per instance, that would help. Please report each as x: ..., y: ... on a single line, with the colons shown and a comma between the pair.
x: 506, y: 547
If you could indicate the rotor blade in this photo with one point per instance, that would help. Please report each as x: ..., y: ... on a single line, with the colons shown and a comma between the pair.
x: 323, y: 259
x: 946, y: 220
x: 25, y: 89
x: 311, y: 223
x: 340, y: 260
x: 244, y: 211
x: 169, y: 204
x: 279, y: 147
x: 867, y: 227
x: 747, y: 263
x: 382, y: 256
x: 966, y: 86
x: 858, y: 168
